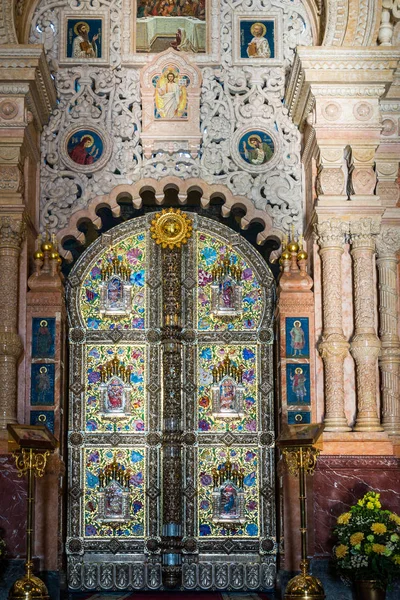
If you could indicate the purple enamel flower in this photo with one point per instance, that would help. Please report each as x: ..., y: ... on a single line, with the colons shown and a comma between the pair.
x: 204, y: 278
x: 94, y: 377
x: 205, y: 479
x: 248, y: 376
x: 204, y: 425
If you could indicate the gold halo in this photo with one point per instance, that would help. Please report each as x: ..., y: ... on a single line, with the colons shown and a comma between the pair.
x: 171, y: 228
x: 298, y: 370
x: 91, y: 138
x: 264, y: 29
x: 257, y: 137
x: 43, y: 323
x: 294, y: 322
x: 42, y: 370
x: 80, y: 23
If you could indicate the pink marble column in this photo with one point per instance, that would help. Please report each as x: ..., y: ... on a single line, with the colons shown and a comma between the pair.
x: 11, y: 237
x: 334, y: 346
x: 365, y: 345
x: 388, y: 245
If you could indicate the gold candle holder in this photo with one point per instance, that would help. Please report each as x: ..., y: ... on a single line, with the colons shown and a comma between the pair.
x: 31, y: 445
x: 301, y: 456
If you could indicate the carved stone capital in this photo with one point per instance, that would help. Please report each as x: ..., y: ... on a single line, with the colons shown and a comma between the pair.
x: 364, y: 231
x: 388, y: 242
x: 12, y: 232
x: 331, y: 233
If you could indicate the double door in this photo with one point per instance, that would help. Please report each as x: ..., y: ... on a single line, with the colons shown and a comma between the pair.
x: 127, y: 456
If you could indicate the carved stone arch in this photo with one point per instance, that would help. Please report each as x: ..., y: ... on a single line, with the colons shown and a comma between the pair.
x: 159, y: 188
x: 352, y: 22
x: 8, y: 34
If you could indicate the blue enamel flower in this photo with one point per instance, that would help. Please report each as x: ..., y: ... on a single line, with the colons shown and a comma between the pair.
x: 137, y: 278
x: 205, y: 530
x: 251, y: 529
x: 209, y: 255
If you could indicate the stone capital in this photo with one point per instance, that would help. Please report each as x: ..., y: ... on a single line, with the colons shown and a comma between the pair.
x: 331, y: 233
x: 26, y: 88
x: 388, y: 242
x: 364, y: 231
x: 12, y: 232
x: 359, y: 74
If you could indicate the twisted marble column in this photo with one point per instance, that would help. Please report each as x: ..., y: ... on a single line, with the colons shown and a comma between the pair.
x: 334, y: 346
x: 11, y: 237
x: 388, y: 244
x: 365, y: 346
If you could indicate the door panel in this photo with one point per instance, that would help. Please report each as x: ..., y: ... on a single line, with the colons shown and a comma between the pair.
x: 117, y: 476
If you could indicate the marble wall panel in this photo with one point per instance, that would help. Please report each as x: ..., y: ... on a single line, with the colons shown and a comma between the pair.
x: 338, y: 483
x: 12, y: 507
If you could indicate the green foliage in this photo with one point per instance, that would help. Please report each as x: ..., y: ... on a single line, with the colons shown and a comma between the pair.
x: 368, y: 541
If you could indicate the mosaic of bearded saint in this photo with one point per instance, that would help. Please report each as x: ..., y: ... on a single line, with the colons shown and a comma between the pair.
x: 83, y: 46
x: 170, y: 96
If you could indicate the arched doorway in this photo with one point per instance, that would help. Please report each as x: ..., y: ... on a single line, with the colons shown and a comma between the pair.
x: 121, y: 477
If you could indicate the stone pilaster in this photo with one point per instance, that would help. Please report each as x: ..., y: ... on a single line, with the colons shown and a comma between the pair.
x: 365, y: 345
x: 334, y: 346
x: 388, y: 245
x: 11, y: 237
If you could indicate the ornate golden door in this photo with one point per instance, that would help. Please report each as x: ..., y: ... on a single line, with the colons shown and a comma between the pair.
x: 171, y: 457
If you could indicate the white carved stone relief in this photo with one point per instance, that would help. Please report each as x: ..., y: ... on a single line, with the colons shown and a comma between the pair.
x: 233, y: 100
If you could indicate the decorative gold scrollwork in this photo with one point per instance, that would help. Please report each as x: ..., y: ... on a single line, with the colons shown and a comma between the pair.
x: 31, y: 459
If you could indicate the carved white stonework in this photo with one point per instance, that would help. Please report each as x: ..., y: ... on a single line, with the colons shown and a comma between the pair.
x: 388, y: 246
x: 232, y: 100
x: 334, y: 346
x: 390, y: 15
x: 365, y: 345
x: 182, y: 131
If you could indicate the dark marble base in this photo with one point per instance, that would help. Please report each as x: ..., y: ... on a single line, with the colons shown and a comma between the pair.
x: 12, y: 569
x: 334, y: 588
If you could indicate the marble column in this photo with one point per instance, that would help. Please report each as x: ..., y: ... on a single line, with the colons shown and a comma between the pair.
x: 388, y: 245
x: 365, y: 346
x: 334, y: 346
x: 11, y: 238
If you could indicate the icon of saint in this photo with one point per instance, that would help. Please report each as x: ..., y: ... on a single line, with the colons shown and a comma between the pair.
x: 298, y: 384
x: 115, y: 394
x: 80, y: 152
x: 297, y: 338
x: 170, y: 97
x: 259, y: 152
x: 42, y: 385
x: 258, y: 47
x: 228, y: 500
x: 82, y: 46
x: 226, y: 294
x: 43, y: 339
x: 227, y: 395
x: 114, y: 293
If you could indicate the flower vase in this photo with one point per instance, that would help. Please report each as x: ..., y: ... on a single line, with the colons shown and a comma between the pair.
x: 369, y: 590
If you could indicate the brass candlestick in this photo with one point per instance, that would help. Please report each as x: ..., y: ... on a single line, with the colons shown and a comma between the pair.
x: 30, y: 445
x: 30, y: 587
x: 301, y: 458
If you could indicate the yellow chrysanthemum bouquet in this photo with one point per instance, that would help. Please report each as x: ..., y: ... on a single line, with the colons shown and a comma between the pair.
x: 368, y: 542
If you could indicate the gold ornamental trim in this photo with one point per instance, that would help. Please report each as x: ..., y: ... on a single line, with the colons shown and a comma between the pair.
x: 171, y: 228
